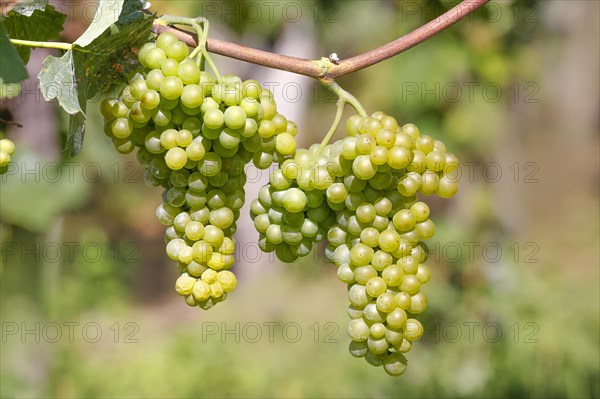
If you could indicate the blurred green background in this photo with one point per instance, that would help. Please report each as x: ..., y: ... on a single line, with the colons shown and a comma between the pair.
x: 87, y: 300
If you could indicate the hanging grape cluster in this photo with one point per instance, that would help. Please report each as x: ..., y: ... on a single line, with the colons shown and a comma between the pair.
x: 7, y: 148
x: 194, y: 134
x: 361, y: 193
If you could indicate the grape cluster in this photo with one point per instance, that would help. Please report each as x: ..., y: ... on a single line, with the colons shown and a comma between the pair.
x: 369, y: 181
x: 7, y: 148
x: 194, y: 135
x: 291, y: 212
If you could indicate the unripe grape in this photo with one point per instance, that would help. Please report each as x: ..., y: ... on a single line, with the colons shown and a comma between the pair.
x: 154, y: 58
x: 227, y: 280
x: 396, y: 319
x: 176, y: 158
x: 201, y: 290
x: 285, y: 143
x: 414, y: 330
x: 358, y: 330
x: 357, y: 295
x: 418, y: 303
x: 363, y: 168
x: 395, y: 364
x: 376, y: 286
x: 294, y: 200
x: 185, y: 284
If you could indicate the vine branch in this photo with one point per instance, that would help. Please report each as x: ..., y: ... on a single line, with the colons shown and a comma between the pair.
x: 313, y: 68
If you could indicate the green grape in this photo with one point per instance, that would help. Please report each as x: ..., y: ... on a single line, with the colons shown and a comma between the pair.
x: 386, y: 302
x: 404, y: 220
x: 221, y: 218
x: 381, y: 260
x: 414, y: 330
x: 235, y: 117
x: 169, y: 67
x: 395, y: 364
x: 150, y: 99
x: 418, y: 303
x: 154, y: 79
x: 363, y: 168
x: 161, y: 117
x: 192, y: 96
x: 171, y: 87
x: 358, y: 330
x: 377, y: 346
x: 214, y: 118
x: 285, y: 143
x: 194, y: 230
x: 154, y: 58
x: 363, y: 274
x: 358, y: 348
x: 189, y: 73
x: 372, y: 315
x: 294, y: 200
x: 198, y: 182
x: 386, y: 138
x: 185, y: 284
x: 375, y: 360
x: 227, y: 280
x: 176, y: 158
x: 178, y: 51
x: 447, y: 187
x: 165, y: 40
x: 121, y: 128
x: 357, y: 295
x: 376, y: 286
x: 393, y: 275
x: 143, y: 51
x: 410, y: 284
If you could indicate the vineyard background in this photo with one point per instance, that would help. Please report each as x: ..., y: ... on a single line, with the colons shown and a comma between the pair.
x: 513, y: 90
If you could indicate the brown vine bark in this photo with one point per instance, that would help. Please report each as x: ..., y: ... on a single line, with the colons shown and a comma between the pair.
x: 313, y: 68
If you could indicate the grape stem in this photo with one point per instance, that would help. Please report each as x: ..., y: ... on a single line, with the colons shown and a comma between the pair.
x: 313, y: 68
x: 165, y: 20
x: 29, y: 43
x: 201, y: 37
x: 344, y: 95
x: 341, y: 104
x: 344, y: 98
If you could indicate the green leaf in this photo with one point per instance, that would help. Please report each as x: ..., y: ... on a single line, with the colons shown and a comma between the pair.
x: 110, y: 58
x: 33, y: 20
x: 12, y: 69
x: 76, y: 133
x: 27, y: 8
x: 87, y: 69
x: 58, y: 81
x: 108, y: 13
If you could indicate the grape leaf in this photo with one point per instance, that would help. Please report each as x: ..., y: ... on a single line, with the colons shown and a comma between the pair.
x: 33, y: 20
x: 102, y: 58
x: 76, y: 132
x: 12, y: 69
x: 27, y: 8
x: 58, y: 81
x: 108, y: 13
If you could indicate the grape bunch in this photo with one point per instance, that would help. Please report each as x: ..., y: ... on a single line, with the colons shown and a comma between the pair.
x: 7, y: 148
x: 370, y: 181
x: 194, y: 134
x: 291, y: 212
